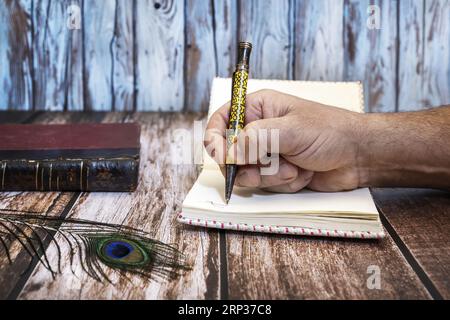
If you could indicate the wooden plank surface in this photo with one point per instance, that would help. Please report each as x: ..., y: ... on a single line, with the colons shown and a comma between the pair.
x: 200, y: 61
x: 436, y: 84
x: 411, y: 55
x: 421, y: 218
x: 319, y: 49
x: 160, y: 55
x: 225, y: 35
x: 109, y: 58
x: 16, y: 55
x: 74, y: 63
x: 284, y: 267
x: 57, y: 81
x: 371, y: 53
x: 424, y: 56
x: 153, y: 208
x: 99, y: 19
x: 124, y: 58
x: 268, y: 26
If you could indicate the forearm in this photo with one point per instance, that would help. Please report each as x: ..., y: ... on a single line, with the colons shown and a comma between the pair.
x: 405, y: 149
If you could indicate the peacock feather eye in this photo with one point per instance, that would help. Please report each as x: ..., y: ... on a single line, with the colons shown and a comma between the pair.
x: 123, y: 251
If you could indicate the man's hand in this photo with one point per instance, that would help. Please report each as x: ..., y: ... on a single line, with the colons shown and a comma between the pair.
x: 330, y: 149
x: 318, y: 144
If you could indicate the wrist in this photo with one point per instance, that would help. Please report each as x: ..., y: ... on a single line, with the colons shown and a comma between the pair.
x: 363, y: 131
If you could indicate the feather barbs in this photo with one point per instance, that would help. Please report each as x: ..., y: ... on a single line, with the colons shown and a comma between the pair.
x: 97, y: 245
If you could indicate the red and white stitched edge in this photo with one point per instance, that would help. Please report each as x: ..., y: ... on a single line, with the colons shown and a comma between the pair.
x: 280, y: 229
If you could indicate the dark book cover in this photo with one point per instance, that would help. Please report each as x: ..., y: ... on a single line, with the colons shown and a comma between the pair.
x: 69, y: 157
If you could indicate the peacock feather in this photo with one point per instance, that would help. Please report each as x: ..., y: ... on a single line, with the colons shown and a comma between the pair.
x: 96, y: 245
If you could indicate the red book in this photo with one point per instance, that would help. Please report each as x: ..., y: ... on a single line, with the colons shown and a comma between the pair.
x: 69, y: 157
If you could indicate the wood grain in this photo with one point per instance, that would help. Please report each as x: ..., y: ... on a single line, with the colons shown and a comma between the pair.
x: 16, y: 92
x: 153, y: 208
x: 74, y: 62
x: 319, y: 47
x: 109, y: 64
x: 411, y: 55
x: 99, y: 26
x: 437, y: 53
x: 424, y: 56
x: 200, y: 61
x: 281, y: 267
x: 371, y: 54
x: 123, y: 58
x: 421, y: 219
x: 160, y: 55
x: 56, y: 57
x: 225, y: 35
x: 268, y: 26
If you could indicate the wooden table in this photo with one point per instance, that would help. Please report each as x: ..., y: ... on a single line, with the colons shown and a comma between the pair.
x: 414, y: 258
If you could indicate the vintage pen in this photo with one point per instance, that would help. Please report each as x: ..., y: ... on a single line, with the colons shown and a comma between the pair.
x: 236, y: 120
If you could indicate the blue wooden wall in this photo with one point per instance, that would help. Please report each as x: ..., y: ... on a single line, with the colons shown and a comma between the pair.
x: 151, y: 55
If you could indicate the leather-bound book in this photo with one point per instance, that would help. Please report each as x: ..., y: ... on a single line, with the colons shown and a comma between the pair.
x: 69, y: 157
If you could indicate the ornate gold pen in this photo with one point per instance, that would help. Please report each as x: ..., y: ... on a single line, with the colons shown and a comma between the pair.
x: 236, y: 120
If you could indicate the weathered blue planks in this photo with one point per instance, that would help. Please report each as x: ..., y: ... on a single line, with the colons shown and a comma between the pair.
x: 123, y: 58
x: 150, y: 55
x: 99, y: 19
x: 437, y: 53
x: 160, y: 45
x: 268, y: 25
x: 319, y: 51
x: 371, y: 51
x: 109, y: 54
x: 16, y: 55
x: 424, y: 55
x: 200, y: 54
x: 57, y: 53
x: 225, y: 35
x: 411, y: 55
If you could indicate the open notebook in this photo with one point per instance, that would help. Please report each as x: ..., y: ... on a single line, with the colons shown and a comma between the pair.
x: 349, y: 214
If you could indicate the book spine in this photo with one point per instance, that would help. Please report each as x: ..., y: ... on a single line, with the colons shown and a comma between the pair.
x: 105, y: 175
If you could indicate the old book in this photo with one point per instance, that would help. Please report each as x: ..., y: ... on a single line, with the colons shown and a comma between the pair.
x: 349, y: 214
x: 69, y: 157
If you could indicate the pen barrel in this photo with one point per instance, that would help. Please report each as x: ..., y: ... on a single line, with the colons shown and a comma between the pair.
x: 236, y: 120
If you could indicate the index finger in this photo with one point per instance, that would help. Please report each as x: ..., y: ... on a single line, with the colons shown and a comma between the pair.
x: 215, y: 141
